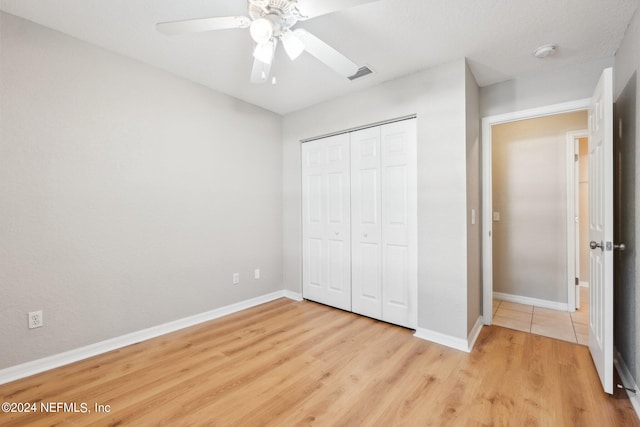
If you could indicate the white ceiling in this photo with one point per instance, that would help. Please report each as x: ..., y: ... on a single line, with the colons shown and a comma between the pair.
x: 392, y: 37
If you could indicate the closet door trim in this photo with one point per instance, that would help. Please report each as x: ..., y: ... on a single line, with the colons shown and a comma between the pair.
x: 357, y: 128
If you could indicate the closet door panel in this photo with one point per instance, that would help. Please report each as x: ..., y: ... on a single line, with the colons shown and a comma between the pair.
x: 365, y: 221
x: 338, y: 284
x: 396, y: 203
x: 326, y: 261
x: 338, y: 225
x: 313, y: 268
x: 314, y: 202
x: 399, y: 223
x: 313, y: 157
x: 395, y: 272
x: 369, y: 277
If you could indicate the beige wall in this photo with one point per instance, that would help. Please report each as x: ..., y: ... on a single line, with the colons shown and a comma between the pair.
x: 583, y: 206
x: 529, y: 192
x: 128, y: 196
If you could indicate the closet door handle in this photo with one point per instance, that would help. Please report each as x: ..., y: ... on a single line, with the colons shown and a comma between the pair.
x: 337, y: 233
x: 364, y: 234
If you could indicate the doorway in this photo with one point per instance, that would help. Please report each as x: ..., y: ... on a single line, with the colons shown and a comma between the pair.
x: 534, y: 217
x: 601, y: 230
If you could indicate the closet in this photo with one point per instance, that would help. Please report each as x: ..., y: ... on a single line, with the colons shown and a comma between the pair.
x: 359, y: 210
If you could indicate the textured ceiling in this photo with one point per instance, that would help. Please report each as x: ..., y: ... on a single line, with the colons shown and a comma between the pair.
x: 392, y: 37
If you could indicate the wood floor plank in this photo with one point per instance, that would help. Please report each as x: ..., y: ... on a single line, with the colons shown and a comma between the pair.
x: 289, y: 363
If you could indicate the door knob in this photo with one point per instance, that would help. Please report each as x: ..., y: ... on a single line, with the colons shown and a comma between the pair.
x: 594, y: 245
x: 620, y: 247
x: 364, y: 235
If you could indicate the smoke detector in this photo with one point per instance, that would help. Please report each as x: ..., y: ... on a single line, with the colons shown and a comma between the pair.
x: 545, y: 50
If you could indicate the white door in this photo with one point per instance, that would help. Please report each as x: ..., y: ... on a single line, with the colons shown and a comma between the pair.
x: 366, y: 227
x: 326, y: 222
x: 398, y: 147
x: 601, y: 229
x: 384, y: 223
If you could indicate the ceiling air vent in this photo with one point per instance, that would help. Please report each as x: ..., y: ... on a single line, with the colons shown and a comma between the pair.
x: 363, y: 71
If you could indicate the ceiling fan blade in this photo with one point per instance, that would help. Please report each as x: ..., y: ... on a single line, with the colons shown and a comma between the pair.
x: 326, y: 54
x: 204, y: 24
x: 260, y: 71
x: 312, y: 8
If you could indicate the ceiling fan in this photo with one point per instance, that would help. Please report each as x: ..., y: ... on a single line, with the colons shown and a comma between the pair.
x: 272, y: 20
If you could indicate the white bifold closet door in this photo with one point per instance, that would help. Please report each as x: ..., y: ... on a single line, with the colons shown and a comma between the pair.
x: 326, y: 250
x: 359, y: 210
x: 384, y: 223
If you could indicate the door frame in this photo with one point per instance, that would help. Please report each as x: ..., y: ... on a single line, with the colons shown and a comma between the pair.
x: 573, y: 227
x: 487, y: 197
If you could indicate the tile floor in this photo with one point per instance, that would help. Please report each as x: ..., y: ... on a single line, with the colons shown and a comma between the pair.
x: 562, y: 325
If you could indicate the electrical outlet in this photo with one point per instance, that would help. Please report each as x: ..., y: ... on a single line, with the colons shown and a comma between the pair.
x: 236, y: 278
x: 35, y: 319
x: 256, y: 273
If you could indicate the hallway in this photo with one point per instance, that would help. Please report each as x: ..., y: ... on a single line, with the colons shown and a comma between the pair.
x: 562, y: 325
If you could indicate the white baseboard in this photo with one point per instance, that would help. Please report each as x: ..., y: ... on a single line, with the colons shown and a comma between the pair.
x: 296, y: 296
x: 447, y: 340
x: 40, y: 365
x: 473, y: 335
x: 543, y: 303
x: 584, y: 284
x: 440, y: 338
x: 627, y: 380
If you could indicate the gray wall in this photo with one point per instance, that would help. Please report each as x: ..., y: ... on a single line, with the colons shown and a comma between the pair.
x: 529, y: 192
x: 128, y: 196
x: 474, y: 194
x: 627, y: 308
x: 437, y: 96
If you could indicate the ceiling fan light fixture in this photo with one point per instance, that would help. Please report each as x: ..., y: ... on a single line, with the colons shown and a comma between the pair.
x: 261, y: 30
x: 272, y: 20
x: 292, y: 44
x: 264, y: 51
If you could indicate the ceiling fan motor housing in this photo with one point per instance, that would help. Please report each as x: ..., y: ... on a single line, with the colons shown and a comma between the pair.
x: 283, y: 14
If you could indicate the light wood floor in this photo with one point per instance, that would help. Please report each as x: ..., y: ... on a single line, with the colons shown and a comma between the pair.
x: 289, y: 363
